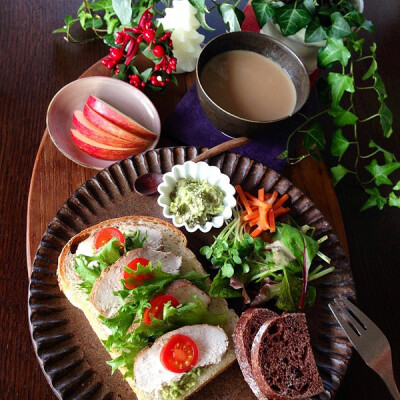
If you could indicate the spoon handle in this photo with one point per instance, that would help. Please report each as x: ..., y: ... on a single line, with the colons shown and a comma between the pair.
x: 228, y: 145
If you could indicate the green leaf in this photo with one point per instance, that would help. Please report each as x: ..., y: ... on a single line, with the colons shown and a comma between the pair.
x: 342, y: 117
x: 309, y: 6
x: 358, y: 45
x: 291, y: 19
x: 340, y: 83
x: 386, y: 120
x: 315, y: 32
x: 397, y: 186
x: 220, y: 287
x: 84, y: 18
x: 338, y: 173
x: 61, y: 30
x: 123, y: 9
x: 100, y: 5
x: 314, y: 139
x: 340, y: 27
x: 201, y: 17
x: 381, y: 172
x: 355, y: 18
x: 371, y: 70
x: 94, y: 23
x: 394, y: 200
x: 375, y: 199
x: 69, y: 20
x: 263, y: 11
x: 232, y: 16
x: 199, y: 5
x: 335, y: 50
x: 339, y: 144
x: 379, y: 87
x: 389, y: 157
x: 368, y: 26
x: 134, y: 239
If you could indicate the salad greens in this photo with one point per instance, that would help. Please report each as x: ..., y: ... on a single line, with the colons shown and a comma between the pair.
x: 278, y: 270
x: 128, y: 339
x: 89, y: 268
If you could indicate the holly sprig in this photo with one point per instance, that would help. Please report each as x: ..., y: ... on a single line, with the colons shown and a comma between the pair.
x: 337, y: 25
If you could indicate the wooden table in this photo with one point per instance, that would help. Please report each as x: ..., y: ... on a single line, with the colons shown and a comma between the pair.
x: 35, y: 65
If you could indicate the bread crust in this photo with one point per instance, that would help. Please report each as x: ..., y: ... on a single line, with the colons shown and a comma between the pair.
x: 176, y: 242
x: 245, y: 332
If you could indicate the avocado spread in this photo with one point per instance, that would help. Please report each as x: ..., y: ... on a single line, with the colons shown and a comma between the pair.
x: 196, y: 201
x: 177, y: 389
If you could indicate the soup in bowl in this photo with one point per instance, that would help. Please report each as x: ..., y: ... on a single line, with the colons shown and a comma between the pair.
x: 247, y: 82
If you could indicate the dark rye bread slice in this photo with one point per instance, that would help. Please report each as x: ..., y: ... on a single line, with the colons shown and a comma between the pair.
x: 282, y: 360
x: 246, y: 329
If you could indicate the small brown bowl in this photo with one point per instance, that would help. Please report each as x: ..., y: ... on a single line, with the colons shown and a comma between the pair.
x: 233, y: 125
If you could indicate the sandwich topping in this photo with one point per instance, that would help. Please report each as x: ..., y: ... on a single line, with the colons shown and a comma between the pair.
x: 144, y: 299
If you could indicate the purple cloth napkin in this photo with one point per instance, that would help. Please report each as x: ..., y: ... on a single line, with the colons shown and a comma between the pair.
x: 189, y: 124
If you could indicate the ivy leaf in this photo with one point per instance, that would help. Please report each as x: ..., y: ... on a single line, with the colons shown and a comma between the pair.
x: 291, y: 19
x: 232, y: 16
x: 339, y: 144
x: 338, y: 173
x: 199, y: 5
x: 389, y: 157
x: 315, y: 32
x: 314, y: 140
x: 340, y: 83
x: 99, y: 5
x: 381, y: 172
x: 394, y: 200
x: 358, y: 45
x: 379, y: 87
x: 340, y: 27
x: 263, y: 11
x: 123, y: 9
x: 355, y: 18
x: 342, y: 117
x: 335, y: 50
x: 375, y: 199
x: 371, y: 70
x: 397, y: 186
x: 368, y: 26
x: 309, y: 6
x: 386, y: 120
x: 84, y: 18
x: 201, y: 17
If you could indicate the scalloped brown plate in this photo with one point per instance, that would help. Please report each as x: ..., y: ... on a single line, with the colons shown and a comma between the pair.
x: 71, y: 355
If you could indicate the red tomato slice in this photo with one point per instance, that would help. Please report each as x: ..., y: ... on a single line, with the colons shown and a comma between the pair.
x: 105, y: 235
x: 157, y: 307
x: 133, y: 266
x: 180, y: 354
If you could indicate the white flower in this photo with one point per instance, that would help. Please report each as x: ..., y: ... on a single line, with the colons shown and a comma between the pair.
x: 181, y: 19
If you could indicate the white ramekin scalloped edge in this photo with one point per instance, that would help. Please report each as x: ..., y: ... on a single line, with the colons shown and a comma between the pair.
x: 199, y: 170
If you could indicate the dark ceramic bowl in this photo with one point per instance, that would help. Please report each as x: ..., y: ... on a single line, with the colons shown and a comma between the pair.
x: 233, y: 125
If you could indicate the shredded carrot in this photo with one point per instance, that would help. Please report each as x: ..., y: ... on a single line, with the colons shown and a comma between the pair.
x: 261, y: 211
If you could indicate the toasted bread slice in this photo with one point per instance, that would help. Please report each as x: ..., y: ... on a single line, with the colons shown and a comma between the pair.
x: 173, y: 241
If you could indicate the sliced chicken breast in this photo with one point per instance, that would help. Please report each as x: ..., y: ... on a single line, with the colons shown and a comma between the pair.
x: 102, y: 296
x: 184, y: 291
x: 150, y: 374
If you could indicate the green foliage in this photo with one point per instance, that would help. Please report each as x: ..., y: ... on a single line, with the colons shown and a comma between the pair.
x: 231, y: 15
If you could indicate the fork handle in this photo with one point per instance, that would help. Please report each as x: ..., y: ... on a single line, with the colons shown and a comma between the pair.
x: 388, y: 378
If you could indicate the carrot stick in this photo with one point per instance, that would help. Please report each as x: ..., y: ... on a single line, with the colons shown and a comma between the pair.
x: 281, y: 211
x: 271, y: 221
x: 259, y: 203
x: 243, y: 198
x: 280, y: 202
x: 256, y: 232
x: 248, y: 217
x: 261, y: 194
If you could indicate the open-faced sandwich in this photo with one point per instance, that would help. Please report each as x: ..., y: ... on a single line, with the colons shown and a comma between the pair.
x: 145, y: 295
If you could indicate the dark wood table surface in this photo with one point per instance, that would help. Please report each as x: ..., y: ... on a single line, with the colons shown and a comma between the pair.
x: 35, y: 64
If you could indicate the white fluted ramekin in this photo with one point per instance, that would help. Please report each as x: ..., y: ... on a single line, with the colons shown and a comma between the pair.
x: 203, y: 171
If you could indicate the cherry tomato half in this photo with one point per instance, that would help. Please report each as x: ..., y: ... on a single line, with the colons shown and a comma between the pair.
x: 157, y: 307
x: 133, y: 265
x: 180, y: 354
x: 105, y: 235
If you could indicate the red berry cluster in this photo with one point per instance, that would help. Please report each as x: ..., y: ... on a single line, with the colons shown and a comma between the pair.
x: 129, y: 40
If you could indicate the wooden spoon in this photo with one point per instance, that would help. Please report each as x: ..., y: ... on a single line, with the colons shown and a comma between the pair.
x: 147, y: 184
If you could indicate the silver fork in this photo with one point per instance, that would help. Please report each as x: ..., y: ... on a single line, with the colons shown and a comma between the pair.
x: 367, y: 339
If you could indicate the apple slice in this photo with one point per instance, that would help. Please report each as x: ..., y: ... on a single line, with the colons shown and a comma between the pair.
x: 108, y: 126
x: 94, y: 133
x: 117, y: 117
x: 102, y: 151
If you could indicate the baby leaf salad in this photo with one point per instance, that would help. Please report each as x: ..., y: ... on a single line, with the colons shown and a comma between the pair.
x: 274, y: 266
x: 145, y: 313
